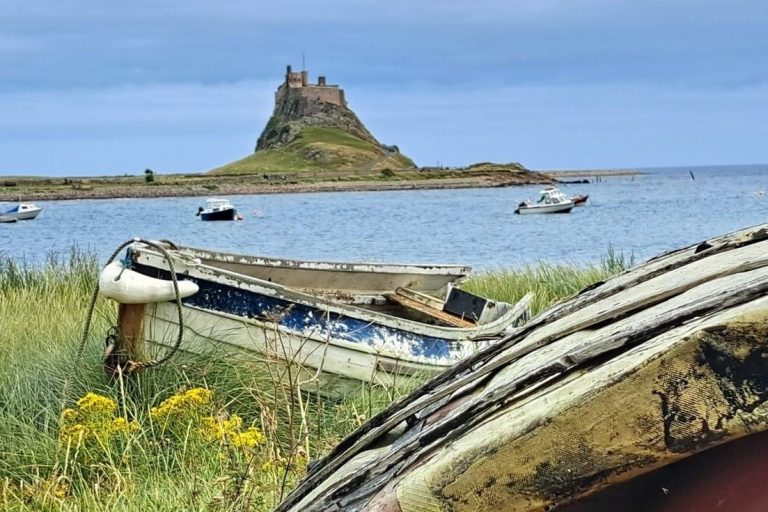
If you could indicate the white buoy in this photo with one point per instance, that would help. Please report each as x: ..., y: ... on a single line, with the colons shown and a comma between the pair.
x: 127, y: 286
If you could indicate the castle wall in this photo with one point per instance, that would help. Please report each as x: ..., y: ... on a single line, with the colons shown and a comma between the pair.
x: 297, y: 87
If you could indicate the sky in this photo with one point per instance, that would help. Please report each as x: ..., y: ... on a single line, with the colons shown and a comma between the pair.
x: 104, y: 88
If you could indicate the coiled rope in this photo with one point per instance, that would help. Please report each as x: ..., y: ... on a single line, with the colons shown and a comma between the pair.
x: 134, y: 366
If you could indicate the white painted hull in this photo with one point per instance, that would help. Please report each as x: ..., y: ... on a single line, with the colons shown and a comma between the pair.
x: 29, y: 215
x: 23, y: 215
x: 335, y: 344
x: 553, y: 208
x: 334, y: 366
x: 505, y: 315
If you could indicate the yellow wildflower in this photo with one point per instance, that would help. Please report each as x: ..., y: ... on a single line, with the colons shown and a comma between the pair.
x: 230, y: 430
x: 97, y: 404
x: 182, y: 405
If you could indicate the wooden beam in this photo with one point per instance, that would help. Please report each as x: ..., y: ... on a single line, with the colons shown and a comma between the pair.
x: 130, y: 321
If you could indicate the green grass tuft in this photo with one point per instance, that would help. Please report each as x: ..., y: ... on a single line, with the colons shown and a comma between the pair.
x: 42, y: 314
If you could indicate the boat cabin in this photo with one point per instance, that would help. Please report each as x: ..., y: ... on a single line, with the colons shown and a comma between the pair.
x: 217, y: 204
x: 551, y: 195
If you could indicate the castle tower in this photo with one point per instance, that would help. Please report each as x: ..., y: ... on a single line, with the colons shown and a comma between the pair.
x: 296, y: 88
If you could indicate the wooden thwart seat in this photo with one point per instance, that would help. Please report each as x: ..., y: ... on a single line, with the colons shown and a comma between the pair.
x: 426, y: 305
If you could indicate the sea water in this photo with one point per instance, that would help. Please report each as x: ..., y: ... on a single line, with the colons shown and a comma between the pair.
x: 638, y: 216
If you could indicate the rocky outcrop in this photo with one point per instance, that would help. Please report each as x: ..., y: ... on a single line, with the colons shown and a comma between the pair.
x: 297, y: 112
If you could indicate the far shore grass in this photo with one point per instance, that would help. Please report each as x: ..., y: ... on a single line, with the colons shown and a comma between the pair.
x: 195, y: 434
x: 28, y: 188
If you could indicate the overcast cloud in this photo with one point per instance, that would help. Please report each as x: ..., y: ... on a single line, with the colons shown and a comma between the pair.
x: 91, y: 87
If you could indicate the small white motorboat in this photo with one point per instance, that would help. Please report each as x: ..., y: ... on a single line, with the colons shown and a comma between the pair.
x: 22, y: 211
x: 551, y: 201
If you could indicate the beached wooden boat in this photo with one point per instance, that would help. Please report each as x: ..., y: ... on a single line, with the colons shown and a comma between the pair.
x: 648, y: 392
x: 341, y: 277
x: 337, y: 340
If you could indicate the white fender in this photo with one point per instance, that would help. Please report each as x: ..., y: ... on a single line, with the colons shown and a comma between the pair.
x: 129, y: 287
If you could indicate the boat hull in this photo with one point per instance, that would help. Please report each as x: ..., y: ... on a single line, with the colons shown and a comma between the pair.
x: 226, y: 214
x: 660, y: 363
x: 580, y: 200
x: 341, y: 277
x: 554, y: 208
x: 28, y: 213
x: 317, y: 360
x: 330, y: 341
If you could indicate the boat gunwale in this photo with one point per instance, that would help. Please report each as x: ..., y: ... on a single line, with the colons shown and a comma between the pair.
x: 335, y: 266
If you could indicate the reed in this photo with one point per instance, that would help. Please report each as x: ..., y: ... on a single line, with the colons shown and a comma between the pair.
x: 191, y: 456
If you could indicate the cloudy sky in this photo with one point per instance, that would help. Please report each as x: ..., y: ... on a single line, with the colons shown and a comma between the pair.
x: 92, y: 87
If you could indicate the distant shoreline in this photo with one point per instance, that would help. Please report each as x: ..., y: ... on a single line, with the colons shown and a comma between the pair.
x: 586, y: 173
x: 57, y: 189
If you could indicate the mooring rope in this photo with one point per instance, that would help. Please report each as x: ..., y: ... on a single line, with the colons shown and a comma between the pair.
x: 134, y: 366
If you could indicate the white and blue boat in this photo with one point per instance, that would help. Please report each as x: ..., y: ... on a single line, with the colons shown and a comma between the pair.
x: 335, y: 338
x: 21, y: 211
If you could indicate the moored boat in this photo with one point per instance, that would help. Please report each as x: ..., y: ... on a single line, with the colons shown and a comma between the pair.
x: 336, y: 340
x: 7, y: 219
x: 22, y: 211
x: 217, y: 209
x: 648, y: 392
x: 550, y: 201
x: 580, y: 200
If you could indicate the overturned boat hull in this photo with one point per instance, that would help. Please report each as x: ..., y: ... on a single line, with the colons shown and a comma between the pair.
x: 654, y: 366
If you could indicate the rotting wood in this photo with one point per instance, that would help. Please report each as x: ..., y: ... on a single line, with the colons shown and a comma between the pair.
x: 631, y: 334
x: 473, y: 371
x: 423, y: 298
x: 130, y: 321
x: 435, y: 314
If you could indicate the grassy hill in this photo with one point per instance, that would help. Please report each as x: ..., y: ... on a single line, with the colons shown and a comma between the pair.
x: 316, y: 148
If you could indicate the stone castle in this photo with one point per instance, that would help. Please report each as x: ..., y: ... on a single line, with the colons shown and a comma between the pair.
x: 297, y: 88
x: 299, y: 104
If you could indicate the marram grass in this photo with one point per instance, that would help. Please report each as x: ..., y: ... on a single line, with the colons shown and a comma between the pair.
x: 195, y: 434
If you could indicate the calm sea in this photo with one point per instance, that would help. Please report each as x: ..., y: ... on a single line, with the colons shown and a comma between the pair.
x: 639, y: 216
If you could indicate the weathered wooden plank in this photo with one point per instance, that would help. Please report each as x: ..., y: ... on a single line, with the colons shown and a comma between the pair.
x: 460, y: 379
x: 424, y: 298
x: 130, y: 319
x: 429, y: 311
x: 473, y: 413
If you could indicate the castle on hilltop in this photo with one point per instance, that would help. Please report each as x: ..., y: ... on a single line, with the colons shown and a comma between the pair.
x: 297, y: 88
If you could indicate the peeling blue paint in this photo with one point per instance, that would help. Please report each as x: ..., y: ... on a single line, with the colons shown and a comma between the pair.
x: 304, y: 319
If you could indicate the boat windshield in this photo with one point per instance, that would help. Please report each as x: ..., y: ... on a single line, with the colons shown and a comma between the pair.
x: 217, y: 203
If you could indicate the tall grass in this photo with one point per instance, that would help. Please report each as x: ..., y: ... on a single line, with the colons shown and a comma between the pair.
x: 549, y: 282
x: 42, y: 309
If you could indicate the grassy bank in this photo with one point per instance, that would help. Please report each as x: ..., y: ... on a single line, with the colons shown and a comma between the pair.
x: 239, y: 180
x: 195, y: 434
